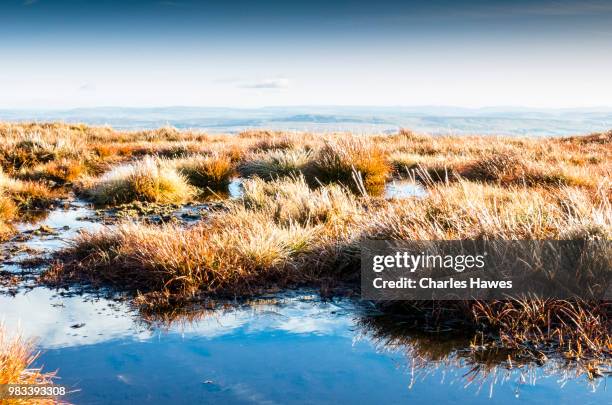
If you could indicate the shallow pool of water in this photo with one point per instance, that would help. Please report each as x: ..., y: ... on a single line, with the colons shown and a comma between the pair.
x: 65, y: 223
x: 293, y: 348
x: 399, y: 189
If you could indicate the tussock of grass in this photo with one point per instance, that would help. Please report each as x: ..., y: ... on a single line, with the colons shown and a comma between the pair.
x: 234, y: 255
x: 25, y: 194
x: 16, y: 358
x: 466, y: 210
x: 494, y: 167
x: 6, y: 231
x: 150, y: 179
x: 33, y: 148
x: 17, y: 196
x: 8, y: 212
x: 292, y: 200
x: 282, y: 142
x: 341, y: 159
x: 8, y: 209
x: 214, y: 172
x: 509, y: 168
x: 60, y: 171
x: 275, y: 164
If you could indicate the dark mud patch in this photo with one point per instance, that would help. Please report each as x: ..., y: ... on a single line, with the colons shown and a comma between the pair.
x: 154, y: 213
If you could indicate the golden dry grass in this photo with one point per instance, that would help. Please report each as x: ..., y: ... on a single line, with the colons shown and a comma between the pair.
x: 16, y: 358
x: 64, y: 153
x: 258, y: 239
x: 26, y: 194
x: 275, y: 164
x: 150, y: 179
x: 348, y: 160
x: 309, y: 201
x: 8, y: 212
x: 207, y: 172
x: 333, y: 221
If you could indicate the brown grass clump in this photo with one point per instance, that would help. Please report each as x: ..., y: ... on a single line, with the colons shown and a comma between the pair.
x: 282, y: 142
x: 26, y: 194
x: 466, y: 210
x: 494, y: 167
x: 347, y: 159
x: 602, y: 138
x: 579, y: 329
x: 150, y: 179
x: 291, y: 200
x: 16, y: 359
x: 275, y: 164
x: 207, y: 172
x: 533, y: 328
x: 60, y: 171
x: 488, y: 361
x: 31, y: 148
x: 509, y: 168
x: 8, y: 209
x: 8, y: 212
x: 238, y: 256
x: 6, y: 231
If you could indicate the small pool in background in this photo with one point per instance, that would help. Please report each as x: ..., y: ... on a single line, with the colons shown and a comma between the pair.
x: 396, y: 189
x: 400, y: 189
x: 293, y: 348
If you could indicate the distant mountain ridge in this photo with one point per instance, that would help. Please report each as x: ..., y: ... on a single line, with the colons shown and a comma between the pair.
x: 362, y: 119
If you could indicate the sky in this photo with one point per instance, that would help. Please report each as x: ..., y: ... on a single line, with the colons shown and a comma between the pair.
x: 472, y: 53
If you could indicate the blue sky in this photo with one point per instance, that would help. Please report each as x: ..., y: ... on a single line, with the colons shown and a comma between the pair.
x: 59, y: 54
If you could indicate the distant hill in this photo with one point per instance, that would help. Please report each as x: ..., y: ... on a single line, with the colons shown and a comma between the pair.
x: 431, y: 119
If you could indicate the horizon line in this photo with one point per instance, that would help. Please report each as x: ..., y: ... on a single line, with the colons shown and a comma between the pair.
x: 407, y: 106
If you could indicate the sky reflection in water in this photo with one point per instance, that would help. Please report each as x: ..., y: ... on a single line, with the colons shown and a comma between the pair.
x: 301, y: 350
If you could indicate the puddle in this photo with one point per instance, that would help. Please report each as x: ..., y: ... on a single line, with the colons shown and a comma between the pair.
x: 235, y: 188
x: 292, y: 349
x: 396, y: 189
x: 41, y: 238
x: 400, y: 189
x: 65, y: 224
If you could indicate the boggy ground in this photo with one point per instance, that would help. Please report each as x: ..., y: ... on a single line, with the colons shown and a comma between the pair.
x: 308, y: 201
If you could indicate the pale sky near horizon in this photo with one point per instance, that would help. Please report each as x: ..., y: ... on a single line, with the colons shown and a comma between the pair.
x: 473, y: 53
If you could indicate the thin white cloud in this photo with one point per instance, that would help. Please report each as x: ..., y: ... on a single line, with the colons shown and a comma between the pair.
x: 29, y: 2
x: 85, y: 87
x: 268, y: 84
